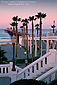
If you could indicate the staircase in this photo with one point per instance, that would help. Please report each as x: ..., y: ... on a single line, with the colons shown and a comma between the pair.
x: 44, y: 68
x: 39, y: 67
x: 49, y: 75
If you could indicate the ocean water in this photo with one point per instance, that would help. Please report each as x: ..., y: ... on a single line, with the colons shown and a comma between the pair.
x: 43, y: 31
x: 5, y: 38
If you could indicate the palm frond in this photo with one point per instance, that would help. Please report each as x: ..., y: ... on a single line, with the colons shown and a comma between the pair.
x: 19, y: 19
x: 53, y: 26
x: 13, y: 24
x: 36, y: 25
x: 21, y: 26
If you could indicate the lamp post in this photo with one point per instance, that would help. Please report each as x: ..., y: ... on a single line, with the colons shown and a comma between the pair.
x: 13, y: 39
x: 26, y: 61
x: 20, y: 51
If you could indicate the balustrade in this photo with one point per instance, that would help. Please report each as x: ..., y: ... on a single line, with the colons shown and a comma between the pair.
x: 36, y: 67
x: 7, y: 68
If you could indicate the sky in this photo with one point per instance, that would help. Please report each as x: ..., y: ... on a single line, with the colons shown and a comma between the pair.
x: 26, y: 8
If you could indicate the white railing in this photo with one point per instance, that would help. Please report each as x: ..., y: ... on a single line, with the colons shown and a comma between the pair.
x: 18, y: 69
x: 38, y: 66
x: 6, y: 69
x: 46, y: 75
x: 43, y: 37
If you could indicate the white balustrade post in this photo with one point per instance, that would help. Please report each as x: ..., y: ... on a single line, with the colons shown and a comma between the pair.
x: 35, y: 47
x: 11, y: 63
x: 1, y: 69
x: 52, y: 57
x: 5, y: 69
x: 13, y: 76
x: 43, y: 62
x: 35, y: 68
x: 26, y: 73
x: 47, y: 44
x: 30, y: 71
x: 39, y: 65
x: 30, y: 47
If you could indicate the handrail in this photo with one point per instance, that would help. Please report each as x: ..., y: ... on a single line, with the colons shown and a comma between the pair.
x: 44, y: 62
x: 9, y: 66
x: 47, y: 73
x: 30, y: 65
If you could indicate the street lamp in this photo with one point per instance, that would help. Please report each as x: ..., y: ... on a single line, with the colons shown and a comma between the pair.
x: 20, y: 51
x: 26, y: 61
x: 13, y: 39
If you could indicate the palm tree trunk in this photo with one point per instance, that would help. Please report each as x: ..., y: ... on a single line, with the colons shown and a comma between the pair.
x: 37, y: 32
x: 32, y: 39
x: 27, y: 39
x: 24, y: 30
x: 24, y: 36
x: 53, y: 31
x: 13, y: 30
x: 40, y: 37
x: 16, y: 43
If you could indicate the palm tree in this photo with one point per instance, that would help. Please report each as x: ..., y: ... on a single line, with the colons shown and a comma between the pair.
x: 21, y: 28
x: 24, y: 33
x: 16, y: 19
x: 24, y: 27
x: 25, y: 21
x: 31, y: 18
x: 53, y: 26
x: 13, y: 24
x: 40, y: 16
x: 37, y: 28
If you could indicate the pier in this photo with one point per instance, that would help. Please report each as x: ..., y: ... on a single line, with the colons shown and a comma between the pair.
x: 47, y: 40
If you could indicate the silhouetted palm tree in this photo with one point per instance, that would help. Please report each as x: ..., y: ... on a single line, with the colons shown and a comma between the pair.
x: 13, y: 25
x: 24, y: 34
x: 53, y: 26
x: 22, y: 28
x: 37, y: 28
x: 25, y: 21
x: 31, y: 18
x: 16, y: 19
x: 40, y: 16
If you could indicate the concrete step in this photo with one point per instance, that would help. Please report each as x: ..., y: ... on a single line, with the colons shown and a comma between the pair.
x: 43, y: 72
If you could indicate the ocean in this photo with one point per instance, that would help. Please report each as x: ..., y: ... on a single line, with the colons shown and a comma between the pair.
x: 5, y: 38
